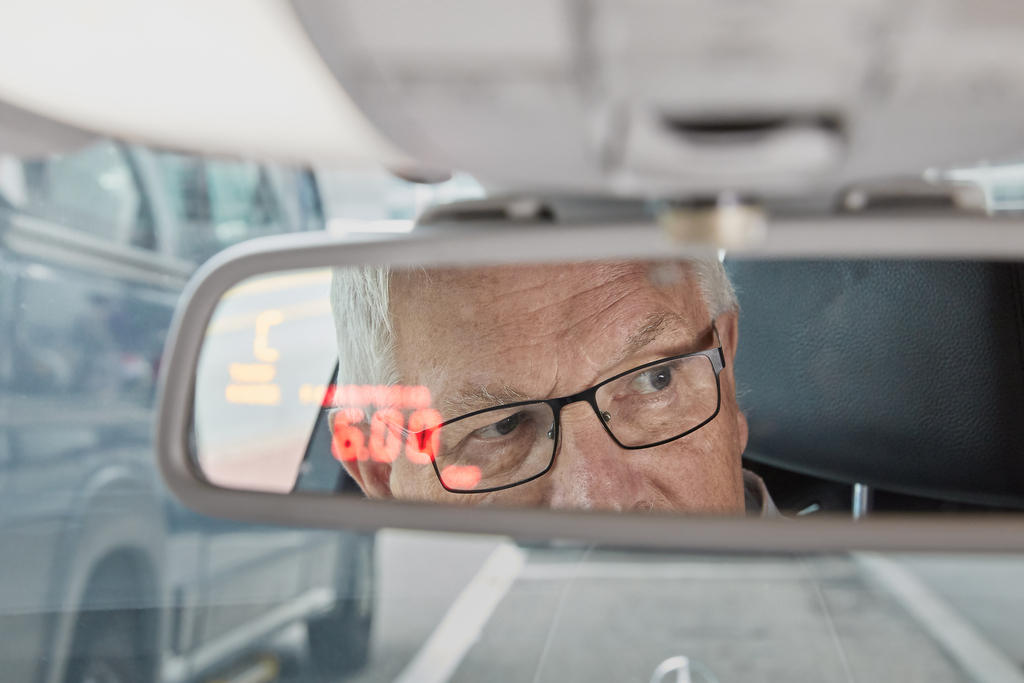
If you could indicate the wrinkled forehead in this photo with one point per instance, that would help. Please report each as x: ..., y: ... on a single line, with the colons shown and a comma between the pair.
x: 537, y: 286
x: 505, y: 322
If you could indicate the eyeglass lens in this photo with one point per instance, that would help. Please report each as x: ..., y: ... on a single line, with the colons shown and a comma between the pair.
x: 506, y: 446
x: 659, y: 402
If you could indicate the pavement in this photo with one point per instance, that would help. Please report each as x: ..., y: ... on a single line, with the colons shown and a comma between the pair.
x: 468, y: 608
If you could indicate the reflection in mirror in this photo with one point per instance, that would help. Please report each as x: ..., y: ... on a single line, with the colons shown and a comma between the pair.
x: 268, y: 353
x: 623, y: 386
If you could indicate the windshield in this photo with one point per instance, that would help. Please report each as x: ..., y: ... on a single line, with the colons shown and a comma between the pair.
x: 106, y: 577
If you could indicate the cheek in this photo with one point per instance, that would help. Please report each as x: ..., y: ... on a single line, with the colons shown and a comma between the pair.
x: 410, y: 481
x: 701, y: 472
x: 413, y: 481
x: 536, y: 493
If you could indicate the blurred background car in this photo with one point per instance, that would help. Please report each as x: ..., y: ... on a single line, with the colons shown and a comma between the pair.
x: 95, y: 248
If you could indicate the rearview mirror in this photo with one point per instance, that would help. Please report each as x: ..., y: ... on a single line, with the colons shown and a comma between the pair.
x: 367, y: 383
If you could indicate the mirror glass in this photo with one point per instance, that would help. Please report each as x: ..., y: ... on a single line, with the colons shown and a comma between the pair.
x: 695, y: 387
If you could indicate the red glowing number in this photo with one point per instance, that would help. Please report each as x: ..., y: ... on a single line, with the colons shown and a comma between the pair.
x: 385, y: 435
x: 347, y: 440
x: 424, y: 436
x: 461, y: 477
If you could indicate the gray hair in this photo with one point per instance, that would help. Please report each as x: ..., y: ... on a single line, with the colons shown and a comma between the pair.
x: 360, y: 302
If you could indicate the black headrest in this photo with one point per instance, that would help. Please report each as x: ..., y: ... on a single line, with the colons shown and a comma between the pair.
x: 907, y: 376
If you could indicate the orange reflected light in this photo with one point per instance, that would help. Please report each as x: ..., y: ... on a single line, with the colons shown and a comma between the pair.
x: 252, y: 372
x: 261, y: 343
x: 313, y: 393
x: 463, y: 477
x: 253, y: 394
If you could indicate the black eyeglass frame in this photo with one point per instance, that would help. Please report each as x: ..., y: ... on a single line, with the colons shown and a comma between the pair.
x: 715, y: 355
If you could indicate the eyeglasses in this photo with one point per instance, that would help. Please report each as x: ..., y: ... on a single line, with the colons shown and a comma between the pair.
x: 508, y: 445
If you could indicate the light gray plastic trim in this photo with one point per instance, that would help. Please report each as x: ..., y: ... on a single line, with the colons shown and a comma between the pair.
x: 921, y: 237
x: 29, y: 134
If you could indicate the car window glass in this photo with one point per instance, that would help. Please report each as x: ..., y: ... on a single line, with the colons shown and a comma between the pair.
x: 94, y: 191
x: 184, y: 184
x: 119, y: 581
x: 13, y: 191
x: 240, y: 194
x: 307, y: 200
x: 216, y: 203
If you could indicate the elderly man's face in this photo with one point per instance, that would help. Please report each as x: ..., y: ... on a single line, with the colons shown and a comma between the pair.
x: 534, y: 332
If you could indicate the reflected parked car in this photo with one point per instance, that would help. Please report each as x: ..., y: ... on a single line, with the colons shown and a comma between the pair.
x: 95, y: 248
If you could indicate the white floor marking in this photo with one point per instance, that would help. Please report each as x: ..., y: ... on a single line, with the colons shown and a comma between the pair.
x: 462, y: 624
x: 961, y: 640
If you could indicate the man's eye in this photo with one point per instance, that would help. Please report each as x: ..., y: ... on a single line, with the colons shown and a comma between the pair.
x: 501, y: 428
x: 655, y: 379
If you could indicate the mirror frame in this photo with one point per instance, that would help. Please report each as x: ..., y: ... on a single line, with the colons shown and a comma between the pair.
x: 451, y: 242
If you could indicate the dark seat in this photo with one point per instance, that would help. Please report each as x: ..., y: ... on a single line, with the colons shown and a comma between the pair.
x: 905, y: 376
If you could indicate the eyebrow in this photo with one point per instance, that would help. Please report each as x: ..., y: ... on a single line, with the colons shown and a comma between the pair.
x: 652, y: 328
x: 471, y: 399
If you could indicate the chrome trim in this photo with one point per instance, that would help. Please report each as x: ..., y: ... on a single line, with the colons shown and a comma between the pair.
x: 861, y: 504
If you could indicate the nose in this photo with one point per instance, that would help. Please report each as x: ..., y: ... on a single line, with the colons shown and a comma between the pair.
x: 591, y: 472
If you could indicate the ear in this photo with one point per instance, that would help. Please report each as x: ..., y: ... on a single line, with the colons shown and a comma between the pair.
x: 373, y: 477
x: 728, y: 328
x: 349, y: 439
x: 744, y: 429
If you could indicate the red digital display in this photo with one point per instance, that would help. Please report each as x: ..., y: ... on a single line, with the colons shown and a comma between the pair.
x: 403, y: 417
x: 396, y: 396
x: 424, y: 436
x: 386, y: 428
x: 347, y: 440
x: 464, y: 477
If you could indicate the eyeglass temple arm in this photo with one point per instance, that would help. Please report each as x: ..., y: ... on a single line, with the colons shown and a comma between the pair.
x: 720, y: 364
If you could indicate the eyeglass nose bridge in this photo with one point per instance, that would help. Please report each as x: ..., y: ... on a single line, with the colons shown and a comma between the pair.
x: 588, y: 396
